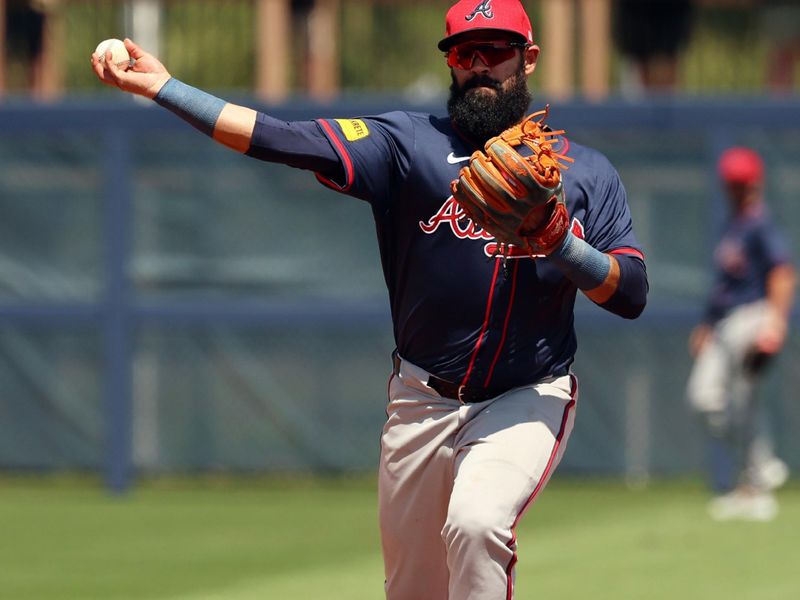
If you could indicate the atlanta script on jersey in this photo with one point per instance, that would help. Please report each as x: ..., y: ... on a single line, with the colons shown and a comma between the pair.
x: 458, y: 312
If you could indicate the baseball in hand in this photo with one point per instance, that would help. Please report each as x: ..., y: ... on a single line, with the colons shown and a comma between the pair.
x: 119, y: 54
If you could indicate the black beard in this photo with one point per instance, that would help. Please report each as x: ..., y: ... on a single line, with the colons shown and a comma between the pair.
x: 479, y: 115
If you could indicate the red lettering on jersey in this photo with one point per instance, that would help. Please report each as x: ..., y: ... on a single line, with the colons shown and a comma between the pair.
x: 577, y: 229
x: 493, y: 249
x: 450, y: 214
x: 462, y: 226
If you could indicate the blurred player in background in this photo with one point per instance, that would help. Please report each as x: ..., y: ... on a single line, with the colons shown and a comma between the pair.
x: 482, y: 397
x: 745, y: 326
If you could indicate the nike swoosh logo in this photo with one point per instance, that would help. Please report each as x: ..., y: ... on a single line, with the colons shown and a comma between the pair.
x: 454, y: 160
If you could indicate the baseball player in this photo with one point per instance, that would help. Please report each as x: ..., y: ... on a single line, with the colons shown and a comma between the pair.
x: 745, y: 324
x: 481, y: 396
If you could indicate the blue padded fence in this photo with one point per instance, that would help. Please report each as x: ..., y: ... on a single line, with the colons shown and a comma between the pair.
x: 156, y: 317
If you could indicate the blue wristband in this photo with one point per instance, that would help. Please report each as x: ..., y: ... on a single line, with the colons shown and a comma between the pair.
x: 583, y: 265
x: 194, y: 106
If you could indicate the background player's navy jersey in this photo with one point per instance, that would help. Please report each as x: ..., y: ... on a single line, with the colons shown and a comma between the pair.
x: 750, y: 246
x: 458, y: 312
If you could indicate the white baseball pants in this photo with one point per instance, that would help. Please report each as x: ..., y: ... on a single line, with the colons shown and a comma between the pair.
x: 722, y: 390
x: 455, y: 479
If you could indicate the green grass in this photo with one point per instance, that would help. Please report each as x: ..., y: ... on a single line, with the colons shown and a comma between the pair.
x: 247, y: 539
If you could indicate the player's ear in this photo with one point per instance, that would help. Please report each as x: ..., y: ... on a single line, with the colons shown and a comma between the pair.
x: 531, y: 57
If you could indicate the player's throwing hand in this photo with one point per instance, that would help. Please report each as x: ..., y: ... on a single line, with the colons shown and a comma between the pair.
x: 145, y: 77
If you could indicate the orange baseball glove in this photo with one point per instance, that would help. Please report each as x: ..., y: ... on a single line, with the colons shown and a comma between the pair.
x: 517, y: 198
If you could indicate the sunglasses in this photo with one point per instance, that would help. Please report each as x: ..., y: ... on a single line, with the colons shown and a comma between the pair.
x: 492, y: 54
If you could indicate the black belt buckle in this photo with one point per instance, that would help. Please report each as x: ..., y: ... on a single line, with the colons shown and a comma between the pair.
x: 464, y: 394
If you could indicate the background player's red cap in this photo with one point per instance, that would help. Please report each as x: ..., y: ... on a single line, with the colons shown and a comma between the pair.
x: 466, y: 16
x: 741, y: 165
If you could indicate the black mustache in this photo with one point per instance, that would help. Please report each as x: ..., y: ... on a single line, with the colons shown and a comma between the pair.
x: 481, y: 81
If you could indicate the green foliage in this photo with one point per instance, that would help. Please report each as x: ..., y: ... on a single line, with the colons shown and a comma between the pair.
x: 727, y: 53
x: 87, y: 23
x: 205, y: 42
x: 384, y: 46
x: 242, y: 539
x: 209, y: 44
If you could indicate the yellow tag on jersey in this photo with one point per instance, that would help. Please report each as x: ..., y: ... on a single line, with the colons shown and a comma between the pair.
x: 353, y: 129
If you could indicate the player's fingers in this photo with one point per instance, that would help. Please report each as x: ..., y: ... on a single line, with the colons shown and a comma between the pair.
x: 115, y: 74
x: 100, y: 70
x: 133, y: 49
x: 96, y: 66
x: 111, y: 66
x: 768, y: 347
x: 769, y: 342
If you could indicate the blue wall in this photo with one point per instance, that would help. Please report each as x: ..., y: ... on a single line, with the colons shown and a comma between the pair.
x: 157, y: 315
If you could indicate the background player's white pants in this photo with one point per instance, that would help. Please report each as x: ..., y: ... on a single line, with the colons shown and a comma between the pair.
x: 455, y: 480
x: 723, y: 390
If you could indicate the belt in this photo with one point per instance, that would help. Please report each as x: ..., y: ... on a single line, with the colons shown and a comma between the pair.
x: 447, y: 389
x: 463, y: 393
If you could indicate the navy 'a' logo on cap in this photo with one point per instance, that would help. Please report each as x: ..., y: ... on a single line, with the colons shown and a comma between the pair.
x: 484, y: 8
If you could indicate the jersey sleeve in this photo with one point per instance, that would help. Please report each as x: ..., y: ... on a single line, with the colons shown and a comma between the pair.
x: 299, y: 144
x: 774, y: 245
x: 608, y: 222
x: 375, y: 153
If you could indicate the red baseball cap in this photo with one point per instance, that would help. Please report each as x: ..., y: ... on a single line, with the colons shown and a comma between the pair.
x: 466, y: 16
x: 741, y: 165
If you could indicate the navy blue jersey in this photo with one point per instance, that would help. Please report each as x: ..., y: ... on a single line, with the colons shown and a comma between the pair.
x: 751, y: 245
x: 458, y: 312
